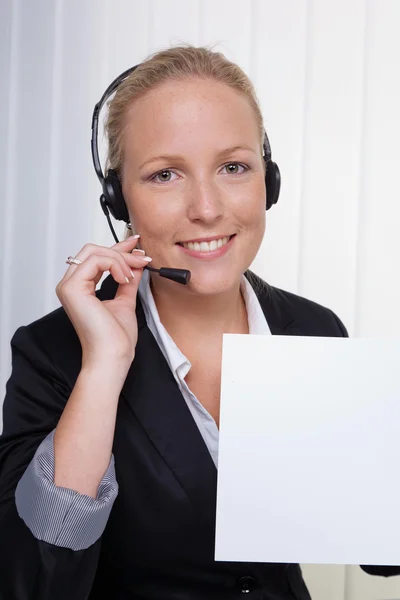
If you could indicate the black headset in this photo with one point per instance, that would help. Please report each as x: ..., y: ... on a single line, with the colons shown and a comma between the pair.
x: 112, y: 200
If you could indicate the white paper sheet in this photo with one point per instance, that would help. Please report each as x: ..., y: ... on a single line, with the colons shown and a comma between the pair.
x: 309, y: 456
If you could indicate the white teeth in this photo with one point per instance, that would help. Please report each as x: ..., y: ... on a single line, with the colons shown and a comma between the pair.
x: 206, y: 246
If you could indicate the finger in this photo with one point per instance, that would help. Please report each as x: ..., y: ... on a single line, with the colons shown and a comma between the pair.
x: 129, y: 291
x: 85, y: 251
x: 136, y: 261
x: 90, y: 249
x: 129, y: 242
x: 92, y: 268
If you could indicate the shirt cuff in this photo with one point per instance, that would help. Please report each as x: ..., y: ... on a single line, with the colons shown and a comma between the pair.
x: 59, y: 515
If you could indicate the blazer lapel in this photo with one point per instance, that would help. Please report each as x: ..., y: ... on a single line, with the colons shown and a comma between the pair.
x: 280, y: 321
x: 153, y: 395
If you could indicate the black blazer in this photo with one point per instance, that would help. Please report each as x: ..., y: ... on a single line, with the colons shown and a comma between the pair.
x: 159, y: 540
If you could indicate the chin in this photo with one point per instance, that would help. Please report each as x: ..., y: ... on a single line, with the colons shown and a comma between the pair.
x: 214, y: 281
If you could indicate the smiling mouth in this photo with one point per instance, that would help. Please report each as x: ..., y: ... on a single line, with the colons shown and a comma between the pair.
x: 206, y: 246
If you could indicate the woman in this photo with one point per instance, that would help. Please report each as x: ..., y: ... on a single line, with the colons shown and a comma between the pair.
x: 110, y: 445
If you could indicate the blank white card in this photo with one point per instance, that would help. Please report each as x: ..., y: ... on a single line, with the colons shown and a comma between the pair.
x: 309, y: 455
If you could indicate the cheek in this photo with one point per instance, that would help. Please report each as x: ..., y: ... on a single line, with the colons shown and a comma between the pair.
x: 155, y: 230
x: 254, y: 219
x: 147, y: 217
x: 252, y: 210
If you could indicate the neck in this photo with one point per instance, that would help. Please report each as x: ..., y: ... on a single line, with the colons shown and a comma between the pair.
x: 199, y: 316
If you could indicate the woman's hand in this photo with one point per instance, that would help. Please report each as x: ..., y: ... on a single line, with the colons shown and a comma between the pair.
x: 106, y: 329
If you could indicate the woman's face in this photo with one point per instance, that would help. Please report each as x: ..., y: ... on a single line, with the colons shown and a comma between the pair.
x: 193, y: 171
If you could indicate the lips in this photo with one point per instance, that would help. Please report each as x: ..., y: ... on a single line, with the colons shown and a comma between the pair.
x: 206, y: 246
x: 208, y: 250
x: 207, y: 239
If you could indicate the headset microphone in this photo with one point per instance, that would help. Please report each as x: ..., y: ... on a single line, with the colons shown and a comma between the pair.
x: 178, y: 275
x: 112, y: 200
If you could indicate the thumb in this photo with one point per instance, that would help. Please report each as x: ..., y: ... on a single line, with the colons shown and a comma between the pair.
x: 128, y: 291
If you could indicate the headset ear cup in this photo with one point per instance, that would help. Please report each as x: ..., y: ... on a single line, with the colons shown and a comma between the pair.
x: 114, y: 198
x: 272, y: 183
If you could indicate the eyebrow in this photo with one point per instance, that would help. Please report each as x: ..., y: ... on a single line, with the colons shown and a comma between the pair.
x: 176, y: 157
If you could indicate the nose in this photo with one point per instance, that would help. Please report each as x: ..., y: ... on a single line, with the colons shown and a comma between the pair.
x: 205, y: 202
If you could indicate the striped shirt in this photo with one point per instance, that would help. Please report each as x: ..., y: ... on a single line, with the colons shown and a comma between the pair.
x: 66, y: 518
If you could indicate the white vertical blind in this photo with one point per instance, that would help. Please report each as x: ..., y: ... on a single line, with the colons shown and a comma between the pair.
x: 328, y: 78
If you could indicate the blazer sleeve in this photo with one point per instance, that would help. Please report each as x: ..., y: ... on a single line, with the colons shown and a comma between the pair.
x: 36, y: 394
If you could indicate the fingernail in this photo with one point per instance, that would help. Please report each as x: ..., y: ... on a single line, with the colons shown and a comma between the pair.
x: 135, y: 237
x: 146, y: 258
x: 138, y: 250
x: 127, y: 280
x: 133, y: 274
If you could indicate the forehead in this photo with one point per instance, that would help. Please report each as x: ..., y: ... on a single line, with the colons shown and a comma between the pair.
x: 191, y: 106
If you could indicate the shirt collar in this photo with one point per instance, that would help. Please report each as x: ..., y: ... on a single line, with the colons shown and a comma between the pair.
x: 175, y: 358
x: 255, y: 315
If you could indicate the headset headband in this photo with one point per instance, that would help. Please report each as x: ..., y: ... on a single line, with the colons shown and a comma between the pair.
x: 95, y: 124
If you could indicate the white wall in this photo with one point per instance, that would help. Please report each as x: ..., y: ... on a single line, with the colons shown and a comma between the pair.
x: 328, y: 77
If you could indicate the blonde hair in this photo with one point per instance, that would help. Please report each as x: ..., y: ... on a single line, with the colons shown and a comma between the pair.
x: 173, y: 63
